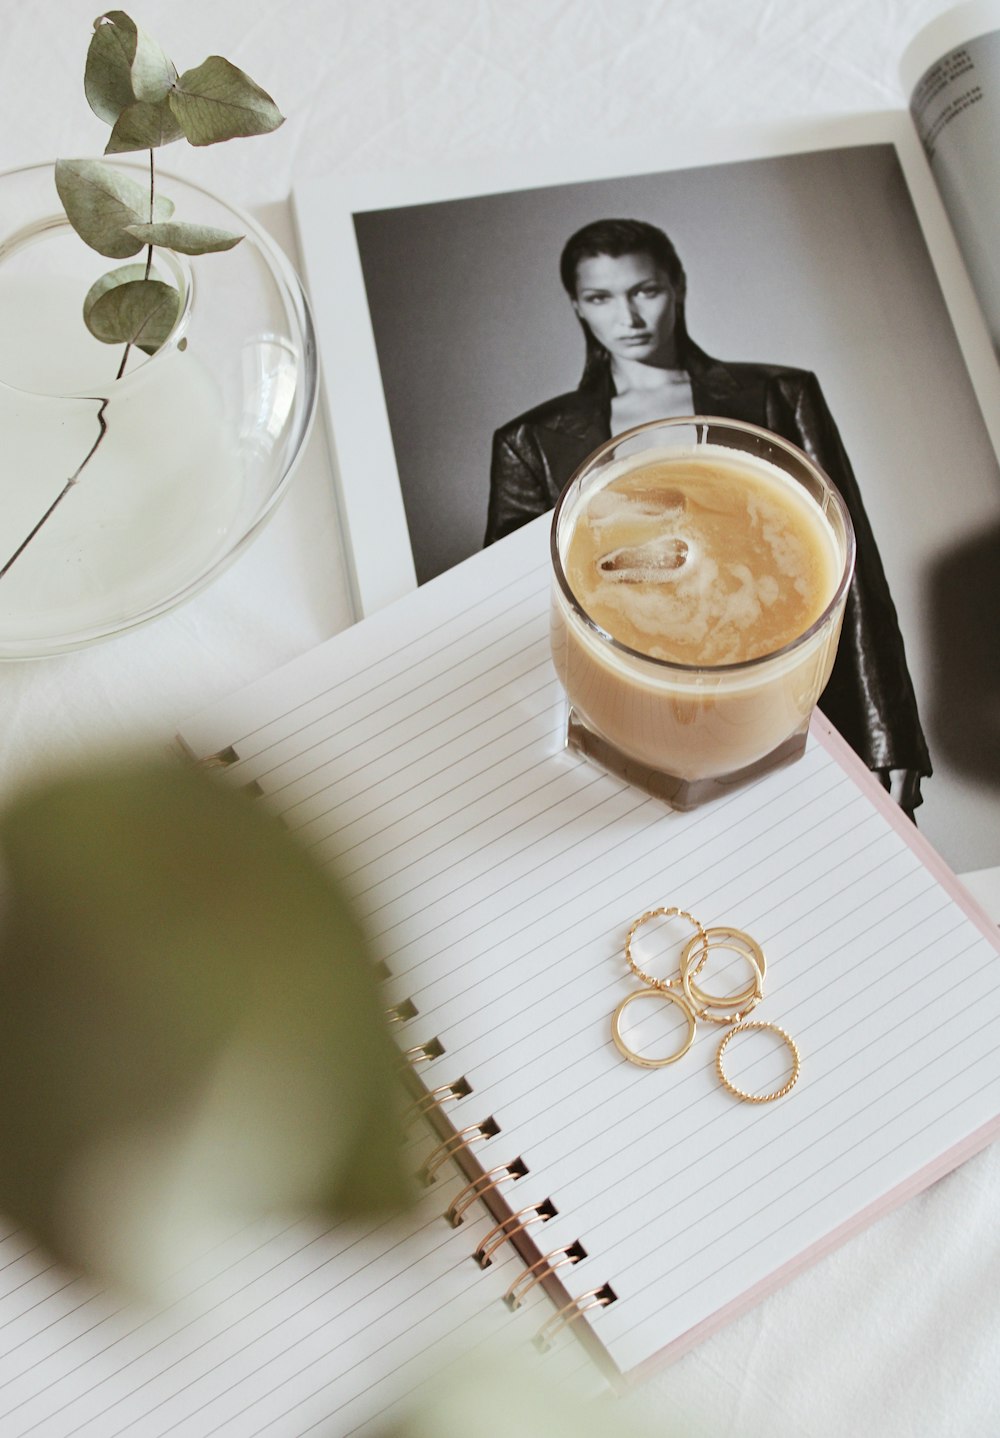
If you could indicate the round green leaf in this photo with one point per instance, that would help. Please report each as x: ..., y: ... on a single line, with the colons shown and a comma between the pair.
x: 124, y: 65
x: 185, y: 239
x: 216, y: 101
x: 107, y: 79
x: 152, y: 73
x: 100, y: 201
x: 143, y: 126
x: 190, y: 1026
x: 124, y: 307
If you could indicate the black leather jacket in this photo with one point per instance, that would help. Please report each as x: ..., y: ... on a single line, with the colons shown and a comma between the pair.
x: 870, y: 697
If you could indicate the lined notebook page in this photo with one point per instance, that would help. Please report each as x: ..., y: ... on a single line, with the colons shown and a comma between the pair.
x: 287, y: 1329
x: 420, y: 754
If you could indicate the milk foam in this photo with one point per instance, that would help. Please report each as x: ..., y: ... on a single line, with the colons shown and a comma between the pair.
x: 708, y: 557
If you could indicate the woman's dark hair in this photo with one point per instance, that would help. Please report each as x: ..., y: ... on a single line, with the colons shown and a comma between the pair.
x: 616, y: 238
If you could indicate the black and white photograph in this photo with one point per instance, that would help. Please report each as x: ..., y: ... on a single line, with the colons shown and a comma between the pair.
x: 516, y: 331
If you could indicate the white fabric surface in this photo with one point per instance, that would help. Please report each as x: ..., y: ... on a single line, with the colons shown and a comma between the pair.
x: 898, y: 1333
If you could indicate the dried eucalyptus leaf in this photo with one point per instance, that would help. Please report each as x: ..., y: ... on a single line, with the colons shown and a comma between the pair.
x: 124, y: 307
x: 107, y: 79
x: 152, y: 73
x: 142, y: 126
x: 190, y: 1024
x: 216, y: 101
x: 186, y: 239
x: 125, y: 274
x: 100, y: 202
x: 124, y: 65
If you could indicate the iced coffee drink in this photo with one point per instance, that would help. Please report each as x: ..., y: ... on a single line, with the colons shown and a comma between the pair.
x: 701, y: 569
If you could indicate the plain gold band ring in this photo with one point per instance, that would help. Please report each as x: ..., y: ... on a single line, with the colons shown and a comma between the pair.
x: 672, y: 996
x: 746, y: 998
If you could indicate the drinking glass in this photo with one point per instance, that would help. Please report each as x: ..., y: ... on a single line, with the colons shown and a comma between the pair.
x: 688, y: 731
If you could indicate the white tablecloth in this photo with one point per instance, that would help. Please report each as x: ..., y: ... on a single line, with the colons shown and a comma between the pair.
x: 898, y: 1332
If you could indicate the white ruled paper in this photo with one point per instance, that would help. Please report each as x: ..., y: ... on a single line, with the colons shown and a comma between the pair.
x: 289, y: 1328
x: 421, y: 755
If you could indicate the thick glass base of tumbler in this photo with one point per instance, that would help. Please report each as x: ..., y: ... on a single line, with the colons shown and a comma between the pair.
x: 683, y: 794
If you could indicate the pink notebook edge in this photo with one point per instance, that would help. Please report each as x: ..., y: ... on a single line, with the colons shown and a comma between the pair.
x: 946, y: 1162
x: 823, y: 731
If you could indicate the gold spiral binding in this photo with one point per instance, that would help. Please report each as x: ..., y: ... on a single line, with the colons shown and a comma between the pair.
x: 500, y: 1233
x: 540, y: 1269
x: 488, y: 1128
x: 503, y: 1173
x: 225, y: 759
x: 423, y: 1053
x: 399, y: 1013
x: 220, y: 760
x: 569, y: 1313
x: 435, y: 1097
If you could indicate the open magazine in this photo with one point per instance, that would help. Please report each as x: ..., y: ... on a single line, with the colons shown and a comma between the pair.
x: 860, y: 251
x: 951, y: 73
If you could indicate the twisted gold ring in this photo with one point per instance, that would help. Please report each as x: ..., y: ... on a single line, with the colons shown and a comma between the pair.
x: 758, y: 1097
x: 669, y: 913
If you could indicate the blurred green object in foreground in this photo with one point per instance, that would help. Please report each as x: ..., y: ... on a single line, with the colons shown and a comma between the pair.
x: 191, y: 1032
x: 487, y: 1397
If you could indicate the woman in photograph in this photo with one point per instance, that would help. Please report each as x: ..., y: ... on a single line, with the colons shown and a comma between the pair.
x: 627, y: 287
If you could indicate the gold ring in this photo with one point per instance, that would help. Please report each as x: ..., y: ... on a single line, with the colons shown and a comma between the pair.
x: 660, y: 992
x: 745, y: 999
x: 671, y: 913
x: 758, y: 1097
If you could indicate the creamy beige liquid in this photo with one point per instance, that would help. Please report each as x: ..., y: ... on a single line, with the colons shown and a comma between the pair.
x: 706, y: 558
x: 702, y: 561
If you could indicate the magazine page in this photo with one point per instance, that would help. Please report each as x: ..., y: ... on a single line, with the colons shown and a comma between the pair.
x: 444, y: 321
x: 951, y: 72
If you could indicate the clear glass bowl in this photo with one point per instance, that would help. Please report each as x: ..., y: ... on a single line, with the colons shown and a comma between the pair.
x: 201, y: 439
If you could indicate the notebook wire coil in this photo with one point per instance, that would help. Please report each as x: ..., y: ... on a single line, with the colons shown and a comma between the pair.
x: 500, y: 1233
x: 485, y: 1183
x: 540, y: 1270
x: 400, y: 1013
x: 488, y: 1182
x: 423, y: 1053
x: 489, y: 1128
x: 436, y: 1098
x: 569, y: 1313
x: 220, y: 760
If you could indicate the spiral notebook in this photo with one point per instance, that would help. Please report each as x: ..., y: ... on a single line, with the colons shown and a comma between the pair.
x: 595, y: 1215
x: 289, y: 1327
x: 421, y: 755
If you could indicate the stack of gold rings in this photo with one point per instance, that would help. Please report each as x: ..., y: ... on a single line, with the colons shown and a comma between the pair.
x: 695, y: 1002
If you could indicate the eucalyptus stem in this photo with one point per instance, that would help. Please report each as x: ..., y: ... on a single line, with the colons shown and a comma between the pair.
x: 102, y: 422
x: 205, y: 105
x: 149, y: 265
x: 152, y: 199
x: 74, y: 477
